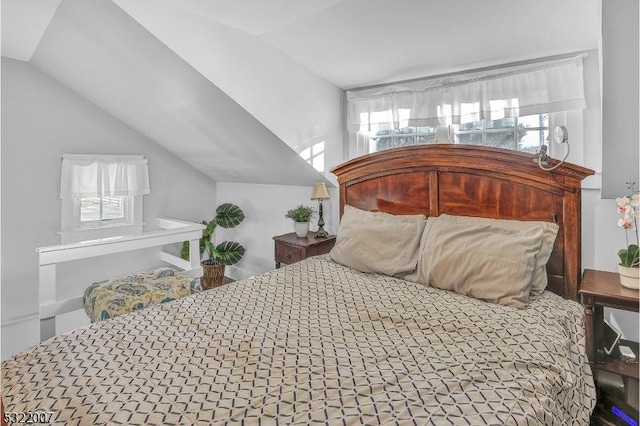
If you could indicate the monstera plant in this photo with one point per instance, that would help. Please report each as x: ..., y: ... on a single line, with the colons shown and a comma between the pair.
x: 226, y: 253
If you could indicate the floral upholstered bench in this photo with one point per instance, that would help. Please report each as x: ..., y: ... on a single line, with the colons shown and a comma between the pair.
x: 107, y: 299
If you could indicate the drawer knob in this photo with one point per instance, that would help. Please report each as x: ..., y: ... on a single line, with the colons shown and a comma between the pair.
x: 288, y: 255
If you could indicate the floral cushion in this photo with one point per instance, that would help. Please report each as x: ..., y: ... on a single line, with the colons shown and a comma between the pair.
x: 107, y: 299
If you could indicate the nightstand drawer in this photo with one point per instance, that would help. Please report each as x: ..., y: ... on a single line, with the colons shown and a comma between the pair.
x: 288, y: 254
x: 291, y: 249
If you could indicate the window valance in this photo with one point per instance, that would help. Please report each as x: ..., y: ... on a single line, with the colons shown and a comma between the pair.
x: 83, y: 177
x: 541, y: 87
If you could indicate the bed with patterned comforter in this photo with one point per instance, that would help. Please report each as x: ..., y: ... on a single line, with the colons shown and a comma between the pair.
x: 315, y: 343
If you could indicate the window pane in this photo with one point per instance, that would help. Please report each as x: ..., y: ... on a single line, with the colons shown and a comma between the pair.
x: 426, y: 139
x: 89, y: 209
x: 473, y: 126
x: 404, y: 140
x: 500, y: 140
x: 318, y: 162
x: 531, y: 140
x: 112, y: 208
x: 469, y: 138
x: 406, y: 136
x: 305, y: 154
x: 500, y: 133
x: 503, y: 123
x: 97, y: 209
x: 541, y: 120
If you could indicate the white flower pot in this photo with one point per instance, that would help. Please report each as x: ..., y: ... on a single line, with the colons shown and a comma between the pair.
x: 629, y: 277
x: 302, y: 228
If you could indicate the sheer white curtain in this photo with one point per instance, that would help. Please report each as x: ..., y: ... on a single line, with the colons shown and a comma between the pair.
x: 103, y: 177
x: 541, y: 87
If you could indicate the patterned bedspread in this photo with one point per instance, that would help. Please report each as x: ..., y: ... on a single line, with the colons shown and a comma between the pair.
x: 314, y: 343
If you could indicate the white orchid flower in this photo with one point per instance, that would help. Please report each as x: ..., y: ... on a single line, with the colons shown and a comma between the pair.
x: 624, y: 209
x: 622, y: 201
x: 625, y: 223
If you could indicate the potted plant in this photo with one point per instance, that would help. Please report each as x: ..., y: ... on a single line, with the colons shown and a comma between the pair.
x: 301, y: 215
x: 226, y: 253
x: 629, y: 266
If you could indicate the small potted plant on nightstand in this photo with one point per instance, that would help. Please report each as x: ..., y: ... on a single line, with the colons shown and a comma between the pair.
x: 301, y: 215
x: 226, y: 253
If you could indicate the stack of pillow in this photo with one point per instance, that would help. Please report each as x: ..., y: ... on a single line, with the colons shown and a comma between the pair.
x: 497, y: 260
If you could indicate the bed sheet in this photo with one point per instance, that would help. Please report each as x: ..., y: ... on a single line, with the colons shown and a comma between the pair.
x: 315, y: 342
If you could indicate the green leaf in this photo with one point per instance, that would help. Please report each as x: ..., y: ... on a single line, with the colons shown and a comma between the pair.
x: 210, y: 248
x: 211, y: 226
x: 630, y: 257
x: 634, y: 255
x: 229, y: 215
x: 184, y: 253
x: 300, y: 213
x: 228, y: 252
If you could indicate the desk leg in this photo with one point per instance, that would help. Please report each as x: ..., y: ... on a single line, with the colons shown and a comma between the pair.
x: 589, y: 325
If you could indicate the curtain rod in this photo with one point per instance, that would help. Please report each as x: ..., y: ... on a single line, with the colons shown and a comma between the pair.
x: 102, y: 157
x: 472, y: 70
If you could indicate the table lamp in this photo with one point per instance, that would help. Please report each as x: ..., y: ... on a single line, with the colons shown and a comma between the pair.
x: 320, y: 193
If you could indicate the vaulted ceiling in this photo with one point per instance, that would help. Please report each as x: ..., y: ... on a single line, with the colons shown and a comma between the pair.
x: 236, y: 88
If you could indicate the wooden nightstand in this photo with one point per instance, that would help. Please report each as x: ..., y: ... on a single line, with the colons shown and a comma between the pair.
x: 289, y: 248
x: 599, y: 289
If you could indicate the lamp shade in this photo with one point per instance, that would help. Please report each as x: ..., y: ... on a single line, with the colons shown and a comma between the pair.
x: 320, y: 192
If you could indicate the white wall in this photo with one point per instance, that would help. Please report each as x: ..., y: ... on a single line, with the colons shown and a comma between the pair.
x: 265, y: 207
x: 41, y: 120
x: 291, y: 100
x: 620, y: 118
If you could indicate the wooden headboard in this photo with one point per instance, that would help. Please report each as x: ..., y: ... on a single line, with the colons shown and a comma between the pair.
x: 470, y: 180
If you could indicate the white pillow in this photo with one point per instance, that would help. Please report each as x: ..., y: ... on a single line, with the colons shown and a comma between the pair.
x: 378, y: 242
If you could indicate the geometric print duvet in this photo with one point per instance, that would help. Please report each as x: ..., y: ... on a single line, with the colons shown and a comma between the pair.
x: 314, y: 343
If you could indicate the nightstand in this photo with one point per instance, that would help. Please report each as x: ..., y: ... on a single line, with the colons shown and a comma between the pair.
x: 599, y: 289
x: 289, y: 248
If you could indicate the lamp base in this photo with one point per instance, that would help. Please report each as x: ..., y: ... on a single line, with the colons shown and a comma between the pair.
x: 321, y: 233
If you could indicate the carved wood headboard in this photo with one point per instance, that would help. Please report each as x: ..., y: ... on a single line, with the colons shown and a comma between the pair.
x: 470, y: 180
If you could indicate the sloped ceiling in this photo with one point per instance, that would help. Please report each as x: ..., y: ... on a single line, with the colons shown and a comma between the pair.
x: 104, y: 55
x: 354, y: 43
x: 150, y: 62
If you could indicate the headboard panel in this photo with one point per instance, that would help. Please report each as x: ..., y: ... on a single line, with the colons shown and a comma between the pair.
x: 473, y: 180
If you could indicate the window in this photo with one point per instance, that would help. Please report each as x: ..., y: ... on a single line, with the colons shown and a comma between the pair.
x: 314, y: 155
x: 96, y: 210
x: 507, y: 107
x: 102, y: 195
x: 525, y: 134
x: 520, y: 133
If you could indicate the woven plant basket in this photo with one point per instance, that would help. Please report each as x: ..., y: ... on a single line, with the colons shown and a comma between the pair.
x: 213, y: 276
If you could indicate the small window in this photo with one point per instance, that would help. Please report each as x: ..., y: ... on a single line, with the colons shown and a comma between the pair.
x: 102, y: 195
x: 106, y: 210
x: 314, y: 155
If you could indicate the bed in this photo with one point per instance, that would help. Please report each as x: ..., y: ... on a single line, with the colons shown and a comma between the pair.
x: 319, y: 342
